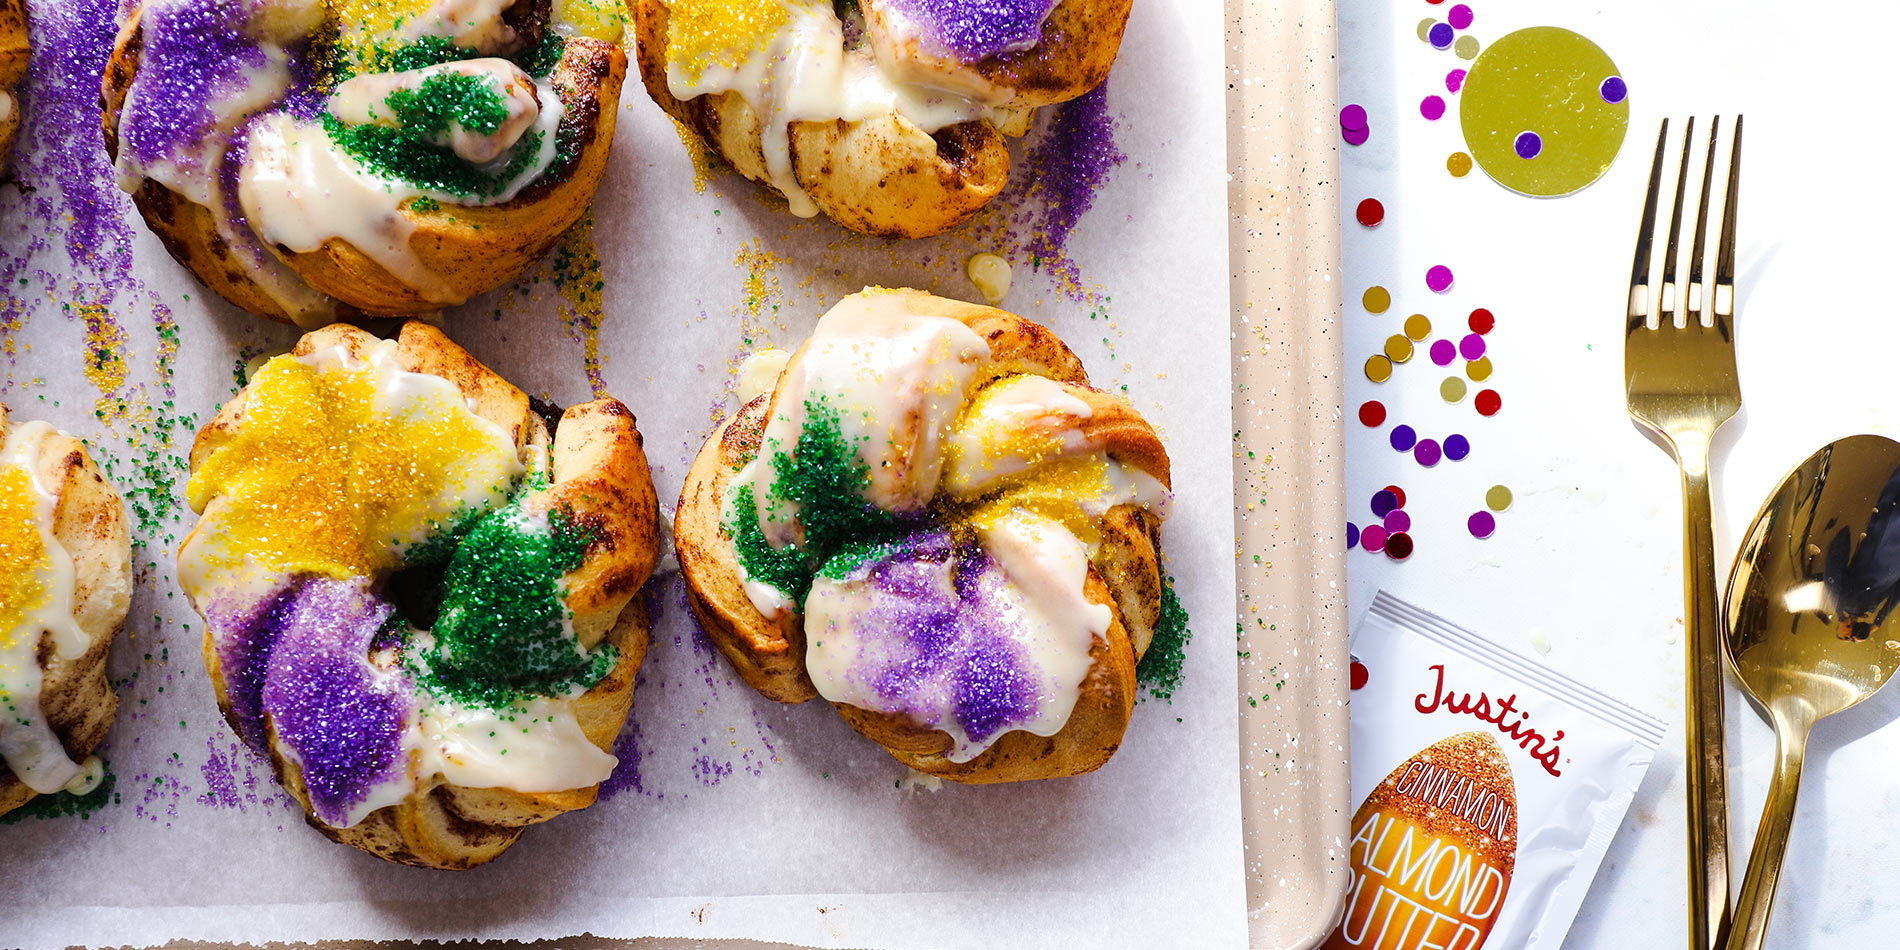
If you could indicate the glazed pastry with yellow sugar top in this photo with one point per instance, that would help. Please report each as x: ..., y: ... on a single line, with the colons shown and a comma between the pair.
x: 14, y: 52
x: 315, y: 160
x: 886, y: 115
x: 419, y: 593
x: 934, y: 522
x: 65, y: 586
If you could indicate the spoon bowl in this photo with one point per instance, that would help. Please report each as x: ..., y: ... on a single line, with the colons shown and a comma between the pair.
x: 1812, y: 625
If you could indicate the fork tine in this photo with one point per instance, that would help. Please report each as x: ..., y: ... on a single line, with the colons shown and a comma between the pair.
x: 1724, y: 303
x: 1666, y: 312
x: 1645, y: 234
x: 1701, y: 229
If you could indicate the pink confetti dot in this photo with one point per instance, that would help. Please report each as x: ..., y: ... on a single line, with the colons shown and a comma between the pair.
x: 1427, y: 452
x: 1454, y: 80
x: 1398, y: 520
x: 1443, y: 352
x: 1438, y: 278
x: 1372, y: 538
x: 1471, y: 347
x: 1481, y: 524
x: 1353, y: 117
x: 1432, y: 108
x: 1355, y: 136
x: 1459, y: 17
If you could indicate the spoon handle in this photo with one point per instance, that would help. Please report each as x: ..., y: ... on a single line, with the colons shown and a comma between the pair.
x: 1771, y: 839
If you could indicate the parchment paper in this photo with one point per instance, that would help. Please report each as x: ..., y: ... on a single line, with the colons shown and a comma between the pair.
x: 731, y: 816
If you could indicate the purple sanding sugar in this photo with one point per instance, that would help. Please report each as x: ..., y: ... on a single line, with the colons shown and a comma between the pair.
x: 245, y: 633
x: 974, y: 30
x: 1070, y: 162
x: 195, y: 55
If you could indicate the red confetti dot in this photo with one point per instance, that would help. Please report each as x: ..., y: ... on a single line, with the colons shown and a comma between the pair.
x: 1398, y: 546
x: 1481, y: 321
x: 1372, y: 413
x: 1371, y: 212
x: 1398, y: 495
x: 1359, y: 675
x: 1489, y: 402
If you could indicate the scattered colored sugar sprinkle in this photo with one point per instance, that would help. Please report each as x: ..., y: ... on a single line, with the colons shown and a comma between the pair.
x: 1454, y: 81
x: 1481, y: 524
x: 1458, y: 164
x: 1372, y: 538
x: 1163, y: 666
x: 1073, y: 160
x: 1355, y: 136
x: 1440, y: 35
x: 1398, y: 495
x: 1613, y: 90
x: 1427, y: 452
x: 1370, y: 212
x: 1383, y: 503
x: 1471, y: 347
x: 1398, y: 546
x: 1438, y: 278
x: 1372, y: 413
x: 1425, y: 29
x: 1528, y: 144
x: 1378, y: 368
x: 1376, y: 299
x: 1403, y: 438
x: 1488, y: 402
x: 1452, y: 390
x: 575, y: 270
x: 1466, y: 47
x: 1352, y: 118
x: 1398, y: 349
x: 1479, y: 369
x: 1443, y: 352
x: 1457, y: 447
x: 1432, y: 108
x: 1397, y: 520
x: 1459, y: 17
x: 1352, y: 535
x: 1418, y: 327
x: 1498, y: 498
x: 975, y: 31
x: 1481, y: 321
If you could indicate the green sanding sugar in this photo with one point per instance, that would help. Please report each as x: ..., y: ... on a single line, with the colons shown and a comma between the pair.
x: 545, y: 56
x: 447, y: 99
x: 1162, y: 667
x: 407, y: 155
x: 63, y: 804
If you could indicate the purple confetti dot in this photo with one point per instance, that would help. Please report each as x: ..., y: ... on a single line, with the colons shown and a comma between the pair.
x: 1427, y: 452
x: 1372, y: 538
x: 1613, y: 90
x: 1384, y: 503
x: 1480, y: 523
x: 1438, y: 278
x: 1353, y: 118
x: 1398, y: 520
x: 1454, y: 80
x: 1352, y: 535
x: 1471, y: 347
x: 1432, y: 108
x: 1529, y: 144
x: 1457, y: 447
x: 1355, y: 136
x: 1460, y: 17
x: 1443, y: 352
x: 1403, y: 438
x: 1440, y: 35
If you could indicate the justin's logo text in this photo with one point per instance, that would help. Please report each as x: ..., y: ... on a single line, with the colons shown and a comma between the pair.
x: 1502, y: 713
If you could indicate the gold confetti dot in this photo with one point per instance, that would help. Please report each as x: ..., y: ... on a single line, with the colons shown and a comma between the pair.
x: 1452, y: 389
x: 1479, y: 369
x: 1397, y: 348
x: 1466, y: 47
x: 1459, y: 164
x: 1377, y: 299
x: 1378, y: 369
x: 1498, y: 498
x: 1418, y: 326
x: 1425, y: 29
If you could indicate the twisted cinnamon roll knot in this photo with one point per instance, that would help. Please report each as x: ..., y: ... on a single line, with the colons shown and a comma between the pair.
x: 419, y: 594
x: 65, y: 586
x: 935, y: 523
x: 886, y: 115
x: 311, y: 160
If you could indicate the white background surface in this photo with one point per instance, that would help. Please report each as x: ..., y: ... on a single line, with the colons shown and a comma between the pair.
x: 1589, y: 558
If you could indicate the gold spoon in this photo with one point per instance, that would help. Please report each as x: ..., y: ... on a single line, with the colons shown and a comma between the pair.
x: 1814, y: 585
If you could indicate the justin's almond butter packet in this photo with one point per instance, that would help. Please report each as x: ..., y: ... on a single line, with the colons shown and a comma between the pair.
x: 1461, y: 750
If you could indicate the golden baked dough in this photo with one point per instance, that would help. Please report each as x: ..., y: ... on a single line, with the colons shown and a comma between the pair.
x: 596, y: 480
x: 770, y: 651
x: 88, y: 522
x: 14, y: 52
x: 459, y: 247
x: 886, y: 173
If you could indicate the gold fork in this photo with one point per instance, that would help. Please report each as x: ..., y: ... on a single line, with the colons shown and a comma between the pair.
x: 1681, y: 387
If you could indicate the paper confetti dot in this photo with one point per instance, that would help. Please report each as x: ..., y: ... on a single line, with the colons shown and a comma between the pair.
x: 1398, y: 349
x: 1425, y: 29
x: 1488, y: 402
x: 1459, y: 164
x: 1443, y: 352
x: 1466, y: 47
x: 1378, y: 369
x: 1355, y: 136
x: 1427, y: 452
x: 1440, y: 35
x: 1452, y: 390
x: 1432, y: 108
x: 1397, y: 520
x: 1471, y: 347
x: 1613, y: 90
x: 1457, y: 447
x: 1528, y: 144
x: 1459, y: 17
x: 1403, y: 438
x: 1479, y: 369
x: 1498, y: 498
x: 1454, y: 80
x: 1547, y: 81
x: 1376, y: 299
x: 1372, y: 538
x: 1481, y: 524
x: 1371, y: 213
x: 1383, y: 504
x: 1481, y: 321
x: 1418, y: 326
x: 1438, y: 278
x: 1360, y: 675
x: 1353, y: 118
x: 1398, y: 495
x: 1352, y: 535
x: 1398, y: 546
x: 1372, y: 413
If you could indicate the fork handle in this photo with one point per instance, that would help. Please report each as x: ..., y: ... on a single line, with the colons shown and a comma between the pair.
x: 1707, y: 762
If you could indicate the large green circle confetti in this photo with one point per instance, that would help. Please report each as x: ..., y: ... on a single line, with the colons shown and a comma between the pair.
x: 1537, y: 115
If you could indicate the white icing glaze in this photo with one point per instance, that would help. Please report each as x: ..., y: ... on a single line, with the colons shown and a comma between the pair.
x: 1009, y: 426
x: 469, y: 24
x: 27, y: 742
x: 361, y: 101
x: 759, y: 372
x: 535, y: 746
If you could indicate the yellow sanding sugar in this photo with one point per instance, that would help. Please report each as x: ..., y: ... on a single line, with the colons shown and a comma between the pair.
x: 707, y: 34
x: 1055, y: 490
x: 23, y: 555
x: 364, y: 24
